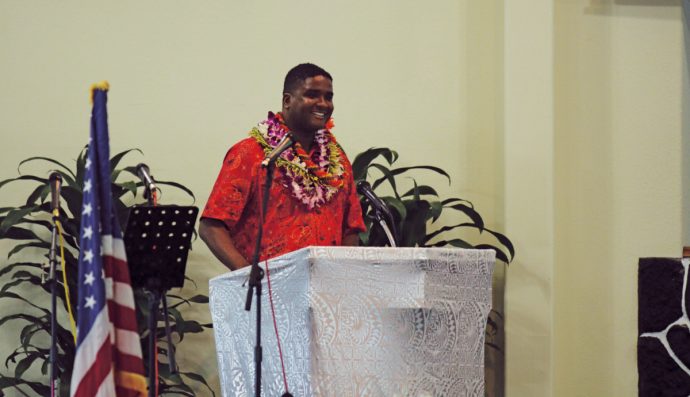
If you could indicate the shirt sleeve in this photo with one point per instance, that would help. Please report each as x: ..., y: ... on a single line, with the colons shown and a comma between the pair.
x: 232, y: 188
x: 352, y: 220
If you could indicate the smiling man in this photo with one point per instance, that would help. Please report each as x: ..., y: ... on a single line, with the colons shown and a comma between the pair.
x: 312, y: 200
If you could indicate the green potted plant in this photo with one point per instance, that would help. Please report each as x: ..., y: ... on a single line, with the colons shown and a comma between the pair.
x: 416, y: 210
x: 27, y: 227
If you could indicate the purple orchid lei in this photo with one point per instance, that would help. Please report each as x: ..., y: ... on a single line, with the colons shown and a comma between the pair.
x: 310, y: 184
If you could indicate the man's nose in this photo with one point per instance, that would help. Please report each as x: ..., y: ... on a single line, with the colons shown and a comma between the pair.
x: 322, y: 101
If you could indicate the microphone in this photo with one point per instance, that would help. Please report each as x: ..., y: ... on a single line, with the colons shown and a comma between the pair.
x: 287, y: 141
x: 364, y: 188
x: 55, y: 181
x: 145, y: 176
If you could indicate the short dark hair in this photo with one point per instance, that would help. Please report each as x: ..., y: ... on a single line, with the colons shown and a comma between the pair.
x: 300, y: 73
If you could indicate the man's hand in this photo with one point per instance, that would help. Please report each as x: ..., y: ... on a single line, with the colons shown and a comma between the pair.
x: 351, y: 240
x: 217, y: 237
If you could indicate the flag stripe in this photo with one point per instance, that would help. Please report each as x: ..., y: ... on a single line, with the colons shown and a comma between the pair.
x: 89, y: 348
x: 96, y: 374
x: 127, y: 322
x: 107, y: 387
x: 124, y: 296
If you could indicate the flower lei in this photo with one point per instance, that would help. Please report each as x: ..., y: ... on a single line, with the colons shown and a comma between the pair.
x: 313, y: 180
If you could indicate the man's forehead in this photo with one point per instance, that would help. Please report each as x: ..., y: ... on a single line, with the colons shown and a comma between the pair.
x: 318, y: 83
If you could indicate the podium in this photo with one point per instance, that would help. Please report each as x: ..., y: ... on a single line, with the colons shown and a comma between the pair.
x: 356, y: 321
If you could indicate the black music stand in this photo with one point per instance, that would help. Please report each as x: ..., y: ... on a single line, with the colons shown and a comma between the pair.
x: 157, y: 240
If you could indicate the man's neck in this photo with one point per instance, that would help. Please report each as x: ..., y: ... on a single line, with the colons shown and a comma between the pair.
x: 305, y: 139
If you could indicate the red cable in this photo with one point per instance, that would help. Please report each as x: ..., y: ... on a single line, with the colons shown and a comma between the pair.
x: 154, y: 199
x: 270, y: 298
x: 275, y: 327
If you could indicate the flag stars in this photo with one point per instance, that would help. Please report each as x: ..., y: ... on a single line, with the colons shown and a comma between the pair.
x: 87, y: 185
x: 88, y: 232
x: 87, y: 209
x: 90, y: 302
x: 88, y: 256
x: 89, y: 278
x: 87, y: 165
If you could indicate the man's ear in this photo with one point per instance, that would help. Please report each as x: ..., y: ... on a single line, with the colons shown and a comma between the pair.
x: 287, y: 98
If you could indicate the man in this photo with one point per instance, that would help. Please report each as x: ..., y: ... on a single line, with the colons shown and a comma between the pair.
x: 312, y: 201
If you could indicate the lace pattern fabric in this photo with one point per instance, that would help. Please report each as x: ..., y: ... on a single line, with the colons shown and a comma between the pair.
x: 360, y: 322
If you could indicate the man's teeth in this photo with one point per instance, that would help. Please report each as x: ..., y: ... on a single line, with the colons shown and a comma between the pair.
x: 318, y: 114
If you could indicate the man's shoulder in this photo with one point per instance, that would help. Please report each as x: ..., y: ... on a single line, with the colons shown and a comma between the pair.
x: 249, y: 143
x: 247, y: 148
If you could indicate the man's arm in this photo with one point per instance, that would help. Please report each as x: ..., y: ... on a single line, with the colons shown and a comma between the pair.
x: 217, y: 237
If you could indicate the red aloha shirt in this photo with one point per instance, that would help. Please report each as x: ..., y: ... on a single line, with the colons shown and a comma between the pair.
x: 290, y: 225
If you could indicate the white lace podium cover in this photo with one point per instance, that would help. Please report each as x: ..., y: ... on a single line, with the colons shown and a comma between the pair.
x: 360, y: 322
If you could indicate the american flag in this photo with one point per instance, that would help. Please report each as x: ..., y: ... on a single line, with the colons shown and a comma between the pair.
x: 108, y: 359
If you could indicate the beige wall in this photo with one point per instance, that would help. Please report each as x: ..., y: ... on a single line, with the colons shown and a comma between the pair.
x: 560, y: 119
x: 593, y: 126
x: 618, y: 180
x: 528, y: 197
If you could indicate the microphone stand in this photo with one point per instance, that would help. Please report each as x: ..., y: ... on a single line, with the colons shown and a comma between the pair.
x: 255, y: 277
x: 156, y: 295
x: 52, y: 263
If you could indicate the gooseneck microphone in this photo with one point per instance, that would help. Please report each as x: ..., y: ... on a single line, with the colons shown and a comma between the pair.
x: 287, y: 141
x: 381, y: 211
x: 55, y: 181
x: 364, y: 188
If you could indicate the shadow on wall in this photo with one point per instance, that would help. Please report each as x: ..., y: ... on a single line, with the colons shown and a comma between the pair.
x: 627, y: 7
x: 655, y: 3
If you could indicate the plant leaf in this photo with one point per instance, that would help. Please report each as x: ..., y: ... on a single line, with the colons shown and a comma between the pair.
x: 41, y: 192
x: 48, y: 159
x: 27, y: 333
x: 15, y: 216
x: 20, y: 247
x: 18, y: 233
x: 457, y: 200
x: 421, y: 190
x: 397, y: 205
x: 447, y: 228
x: 21, y: 279
x: 454, y: 242
x: 80, y: 164
x: 10, y: 267
x: 73, y: 199
x: 387, y: 176
x: 115, y: 160
x: 198, y: 378
x: 124, y: 188
x: 436, y: 209
x: 179, y: 186
x: 470, y: 212
x: 12, y: 295
x: 414, y: 225
x: 24, y: 178
x: 499, y: 254
x: 364, y: 159
x: 22, y: 316
x: 505, y: 241
x: 39, y: 388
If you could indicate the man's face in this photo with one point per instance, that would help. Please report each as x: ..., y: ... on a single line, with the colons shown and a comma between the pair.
x: 308, y: 107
